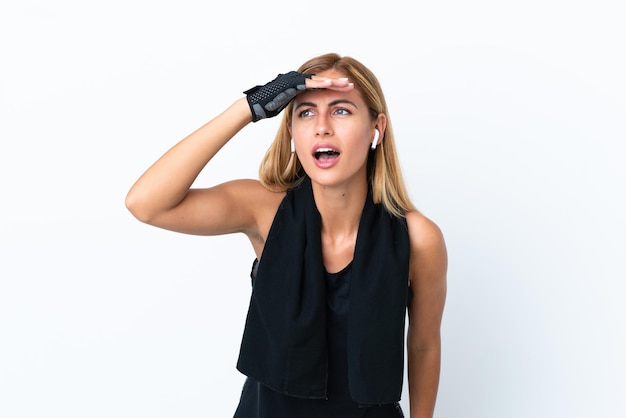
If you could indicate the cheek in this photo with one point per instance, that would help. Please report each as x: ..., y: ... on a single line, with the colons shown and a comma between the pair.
x: 299, y: 131
x: 358, y: 139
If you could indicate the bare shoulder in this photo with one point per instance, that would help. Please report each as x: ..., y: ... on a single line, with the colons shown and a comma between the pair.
x: 259, y: 197
x: 255, y: 203
x: 252, y: 197
x: 429, y: 257
x: 423, y: 232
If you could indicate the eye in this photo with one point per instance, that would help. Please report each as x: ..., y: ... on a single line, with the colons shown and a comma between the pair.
x: 305, y: 113
x: 342, y: 111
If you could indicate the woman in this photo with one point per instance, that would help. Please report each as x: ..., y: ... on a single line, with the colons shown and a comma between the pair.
x: 341, y: 251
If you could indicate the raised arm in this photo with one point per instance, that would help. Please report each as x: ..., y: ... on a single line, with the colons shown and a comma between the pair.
x: 163, y: 197
x: 428, y: 272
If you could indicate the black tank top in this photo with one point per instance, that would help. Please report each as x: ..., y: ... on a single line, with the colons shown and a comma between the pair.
x: 259, y: 401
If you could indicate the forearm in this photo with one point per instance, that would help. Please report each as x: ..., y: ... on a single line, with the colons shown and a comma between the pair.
x: 168, y: 180
x: 423, y: 375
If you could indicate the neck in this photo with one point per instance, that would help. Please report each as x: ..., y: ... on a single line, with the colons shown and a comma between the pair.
x: 340, y: 208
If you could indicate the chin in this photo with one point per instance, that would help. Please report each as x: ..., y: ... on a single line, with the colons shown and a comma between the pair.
x: 329, y: 180
x: 338, y: 176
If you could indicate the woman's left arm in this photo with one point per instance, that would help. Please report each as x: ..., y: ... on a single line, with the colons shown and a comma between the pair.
x: 427, y: 279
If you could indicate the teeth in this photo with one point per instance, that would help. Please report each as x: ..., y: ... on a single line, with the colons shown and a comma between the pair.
x: 325, y: 150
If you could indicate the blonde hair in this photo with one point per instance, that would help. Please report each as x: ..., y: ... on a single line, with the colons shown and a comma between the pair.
x: 281, y: 170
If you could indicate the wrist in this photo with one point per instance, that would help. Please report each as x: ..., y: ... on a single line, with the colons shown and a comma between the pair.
x: 242, y: 110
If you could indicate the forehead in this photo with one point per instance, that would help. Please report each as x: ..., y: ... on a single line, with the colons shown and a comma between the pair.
x: 331, y: 74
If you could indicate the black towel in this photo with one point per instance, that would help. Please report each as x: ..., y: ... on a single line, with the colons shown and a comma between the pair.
x: 284, y: 343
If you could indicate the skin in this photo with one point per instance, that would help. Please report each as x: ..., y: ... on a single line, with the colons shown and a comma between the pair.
x: 334, y: 115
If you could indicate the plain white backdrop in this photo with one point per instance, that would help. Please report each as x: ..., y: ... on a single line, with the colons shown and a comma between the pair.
x: 511, y: 123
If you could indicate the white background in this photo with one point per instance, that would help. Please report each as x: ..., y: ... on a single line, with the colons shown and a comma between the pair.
x: 510, y: 120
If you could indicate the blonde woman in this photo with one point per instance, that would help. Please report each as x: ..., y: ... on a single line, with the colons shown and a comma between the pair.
x: 341, y: 252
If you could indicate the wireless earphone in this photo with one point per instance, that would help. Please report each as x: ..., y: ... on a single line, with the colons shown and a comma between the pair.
x: 376, y: 136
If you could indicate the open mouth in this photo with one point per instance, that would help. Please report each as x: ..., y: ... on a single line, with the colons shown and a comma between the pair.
x: 325, y: 154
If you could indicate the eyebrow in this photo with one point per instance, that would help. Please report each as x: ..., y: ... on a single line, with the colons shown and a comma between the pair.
x: 333, y: 103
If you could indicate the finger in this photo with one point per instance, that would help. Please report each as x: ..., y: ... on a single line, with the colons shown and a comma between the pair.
x: 339, y: 84
x: 347, y: 87
x: 318, y: 83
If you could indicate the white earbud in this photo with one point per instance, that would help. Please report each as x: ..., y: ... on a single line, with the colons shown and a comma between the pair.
x: 376, y: 136
x: 293, y: 146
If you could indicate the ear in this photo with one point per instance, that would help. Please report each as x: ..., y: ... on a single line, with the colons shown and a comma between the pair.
x: 380, y: 125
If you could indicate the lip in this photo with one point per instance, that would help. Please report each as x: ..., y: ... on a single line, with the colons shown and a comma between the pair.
x: 325, y: 163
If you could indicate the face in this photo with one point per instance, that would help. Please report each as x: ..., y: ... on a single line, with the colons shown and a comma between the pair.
x: 332, y: 132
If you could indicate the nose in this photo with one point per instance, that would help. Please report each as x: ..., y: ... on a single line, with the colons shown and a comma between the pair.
x: 323, y: 126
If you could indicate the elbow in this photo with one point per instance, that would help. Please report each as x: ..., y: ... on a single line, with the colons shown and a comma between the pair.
x: 423, y: 348
x: 137, y: 207
x: 423, y: 342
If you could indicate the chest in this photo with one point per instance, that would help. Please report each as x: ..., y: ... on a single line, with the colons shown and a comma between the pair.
x: 337, y: 253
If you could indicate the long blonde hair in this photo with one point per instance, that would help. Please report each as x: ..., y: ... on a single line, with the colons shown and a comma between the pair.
x: 280, y: 169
